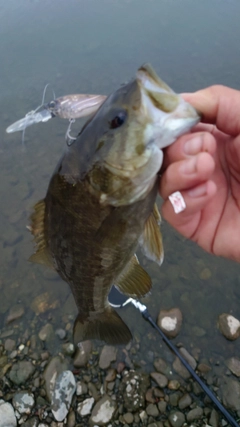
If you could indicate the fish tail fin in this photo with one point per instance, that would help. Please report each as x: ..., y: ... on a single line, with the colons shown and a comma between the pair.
x: 106, y: 326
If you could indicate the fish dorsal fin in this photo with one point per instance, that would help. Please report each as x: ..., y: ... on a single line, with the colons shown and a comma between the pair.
x: 42, y: 254
x: 151, y: 239
x: 134, y: 281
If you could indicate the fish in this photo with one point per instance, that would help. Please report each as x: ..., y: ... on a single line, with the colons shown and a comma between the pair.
x: 100, y: 204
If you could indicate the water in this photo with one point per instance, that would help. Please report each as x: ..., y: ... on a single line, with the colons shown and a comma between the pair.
x: 93, y: 46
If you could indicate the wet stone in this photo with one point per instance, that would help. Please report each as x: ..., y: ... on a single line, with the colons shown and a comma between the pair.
x: 31, y: 422
x: 46, y: 333
x: 174, y: 398
x: 55, y: 366
x: 229, y: 326
x: 15, y: 312
x: 62, y: 394
x: 233, y: 365
x: 214, y: 418
x: 84, y: 408
x: 176, y: 419
x: 61, y: 333
x: 68, y: 349
x: 174, y: 385
x: 161, y: 366
x: 108, y: 355
x: 81, y: 388
x: 134, y: 386
x: 128, y: 418
x: 195, y: 414
x: 184, y: 401
x: 9, y: 344
x: 170, y: 321
x: 23, y: 402
x: 160, y: 379
x: 103, y: 411
x: 71, y: 419
x: 152, y: 410
x: 231, y: 394
x: 21, y: 372
x: 111, y: 375
x: 188, y: 357
x: 180, y: 369
x: 7, y: 416
x: 83, y: 354
x: 162, y: 405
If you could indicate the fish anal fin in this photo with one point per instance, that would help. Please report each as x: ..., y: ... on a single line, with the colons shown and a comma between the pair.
x: 106, y: 326
x: 151, y: 239
x: 134, y: 281
x: 37, y: 228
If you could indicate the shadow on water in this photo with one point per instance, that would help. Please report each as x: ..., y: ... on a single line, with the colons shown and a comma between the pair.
x: 94, y: 47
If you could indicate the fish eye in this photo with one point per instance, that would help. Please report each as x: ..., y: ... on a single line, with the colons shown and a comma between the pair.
x: 52, y: 104
x: 118, y: 120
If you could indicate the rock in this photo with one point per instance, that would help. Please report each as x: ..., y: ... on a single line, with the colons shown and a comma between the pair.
x: 204, y: 368
x: 46, y: 333
x: 68, y: 349
x: 233, y: 365
x: 61, y: 395
x: 103, y: 411
x: 176, y: 419
x: 170, y: 321
x: 84, y: 408
x: 161, y: 366
x: 229, y: 326
x: 15, y: 312
x: 43, y: 302
x: 188, y: 357
x: 214, y: 418
x: 174, y: 385
x: 152, y: 410
x: 184, y: 401
x: 21, y: 372
x: 134, y: 386
x: 108, y: 355
x: 83, y: 354
x: 162, y: 406
x: 31, y: 422
x: 160, y: 379
x: 7, y: 416
x: 9, y: 344
x: 195, y: 414
x: 23, y: 402
x: 61, y: 333
x: 128, y: 418
x: 81, y: 388
x: 180, y: 369
x: 71, y: 419
x: 55, y: 366
x: 231, y: 394
x: 111, y: 375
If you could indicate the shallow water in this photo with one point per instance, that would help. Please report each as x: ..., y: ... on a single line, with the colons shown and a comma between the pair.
x: 93, y: 46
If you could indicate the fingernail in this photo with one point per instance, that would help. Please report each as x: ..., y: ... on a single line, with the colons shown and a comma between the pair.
x: 199, y: 191
x: 193, y: 145
x: 188, y: 166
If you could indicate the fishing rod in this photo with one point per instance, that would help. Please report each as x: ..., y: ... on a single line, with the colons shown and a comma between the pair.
x: 118, y: 300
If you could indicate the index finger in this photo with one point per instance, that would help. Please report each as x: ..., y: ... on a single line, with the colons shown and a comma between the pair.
x: 219, y: 105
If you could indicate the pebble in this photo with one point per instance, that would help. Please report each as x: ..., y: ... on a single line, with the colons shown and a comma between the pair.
x: 55, y: 366
x: 46, y: 333
x: 188, y: 357
x: 234, y: 365
x: 7, y: 416
x: 62, y: 394
x: 9, y: 344
x: 160, y: 379
x: 15, y: 312
x: 152, y: 410
x: 83, y: 354
x: 128, y: 418
x: 231, y: 394
x: 170, y: 321
x: 174, y: 385
x: 195, y: 414
x: 23, y: 402
x: 21, y: 372
x: 81, y: 388
x: 61, y: 333
x: 108, y: 355
x: 180, y: 369
x: 71, y: 419
x: 162, y: 405
x: 229, y: 326
x: 84, y: 408
x: 176, y: 419
x: 214, y: 418
x: 134, y: 386
x: 103, y: 411
x: 184, y: 401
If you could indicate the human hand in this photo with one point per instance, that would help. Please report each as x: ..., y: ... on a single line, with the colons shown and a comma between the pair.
x: 205, y: 167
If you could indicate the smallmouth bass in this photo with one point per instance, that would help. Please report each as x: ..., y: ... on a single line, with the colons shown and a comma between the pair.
x: 100, y: 203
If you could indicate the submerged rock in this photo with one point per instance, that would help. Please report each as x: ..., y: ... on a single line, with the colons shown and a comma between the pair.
x: 62, y: 393
x: 21, y: 372
x: 56, y: 366
x: 15, y: 312
x: 103, y: 411
x: 229, y: 326
x: 7, y: 416
x: 134, y: 387
x: 170, y: 321
x: 231, y: 394
x: 83, y: 354
x: 234, y: 365
x: 23, y: 402
x: 108, y: 355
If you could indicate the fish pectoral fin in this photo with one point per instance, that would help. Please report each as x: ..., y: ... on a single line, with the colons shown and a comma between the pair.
x: 134, y: 281
x: 151, y: 239
x: 106, y: 326
x: 37, y: 228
